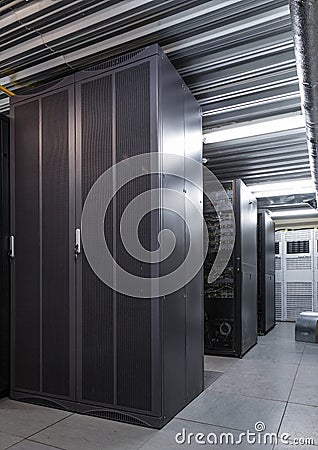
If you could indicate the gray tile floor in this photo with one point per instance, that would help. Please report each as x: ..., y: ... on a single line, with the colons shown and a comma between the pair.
x: 275, y: 383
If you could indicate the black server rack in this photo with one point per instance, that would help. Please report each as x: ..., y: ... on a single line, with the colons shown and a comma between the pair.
x: 77, y: 343
x: 231, y: 301
x: 266, y: 273
x: 4, y: 261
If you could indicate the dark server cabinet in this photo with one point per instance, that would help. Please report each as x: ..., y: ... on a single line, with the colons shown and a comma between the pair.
x: 42, y: 226
x: 4, y: 261
x: 266, y: 273
x: 231, y: 301
x: 90, y: 348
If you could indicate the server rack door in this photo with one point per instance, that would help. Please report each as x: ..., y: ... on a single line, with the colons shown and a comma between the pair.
x: 194, y: 289
x: 118, y: 363
x: 279, y: 285
x: 4, y: 263
x: 25, y: 226
x: 246, y: 208
x: 270, y: 272
x: 221, y: 298
x: 42, y: 223
x: 95, y: 300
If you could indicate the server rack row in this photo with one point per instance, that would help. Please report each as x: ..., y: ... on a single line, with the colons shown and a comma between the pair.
x: 78, y: 344
x: 231, y: 301
x: 296, y: 268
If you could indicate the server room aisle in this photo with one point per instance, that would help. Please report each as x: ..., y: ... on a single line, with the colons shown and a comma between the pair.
x: 276, y: 383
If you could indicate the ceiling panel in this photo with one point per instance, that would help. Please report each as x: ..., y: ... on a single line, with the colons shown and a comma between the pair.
x: 258, y: 159
x: 236, y: 56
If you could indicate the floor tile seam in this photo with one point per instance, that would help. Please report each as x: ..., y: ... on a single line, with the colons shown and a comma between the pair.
x: 302, y: 404
x: 246, y: 396
x: 49, y: 426
x: 12, y: 435
x: 41, y: 443
x: 210, y: 424
x: 294, y: 381
x: 20, y: 440
x: 287, y: 403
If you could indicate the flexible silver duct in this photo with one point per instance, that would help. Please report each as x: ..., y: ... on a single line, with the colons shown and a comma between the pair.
x: 304, y: 15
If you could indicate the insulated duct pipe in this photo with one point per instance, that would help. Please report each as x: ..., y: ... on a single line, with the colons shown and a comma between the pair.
x: 304, y: 15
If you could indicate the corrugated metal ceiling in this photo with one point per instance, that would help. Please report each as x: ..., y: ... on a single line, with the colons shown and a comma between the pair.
x: 236, y: 56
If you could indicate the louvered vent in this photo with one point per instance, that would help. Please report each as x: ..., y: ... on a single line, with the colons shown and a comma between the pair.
x: 299, y: 297
x: 114, y: 415
x: 298, y: 235
x: 278, y: 236
x: 278, y: 301
x: 278, y: 263
x: 299, y: 263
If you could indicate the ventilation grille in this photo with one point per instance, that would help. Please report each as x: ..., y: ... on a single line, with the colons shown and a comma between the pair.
x: 119, y: 417
x: 299, y: 263
x: 115, y: 61
x: 278, y: 301
x: 97, y: 298
x: 276, y: 248
x: 26, y: 352
x: 299, y: 296
x: 133, y: 314
x: 55, y: 245
x: 278, y: 236
x: 278, y: 263
x: 298, y: 235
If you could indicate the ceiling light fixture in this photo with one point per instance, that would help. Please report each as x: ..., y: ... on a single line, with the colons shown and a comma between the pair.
x: 255, y: 129
x: 283, y: 188
x: 294, y: 213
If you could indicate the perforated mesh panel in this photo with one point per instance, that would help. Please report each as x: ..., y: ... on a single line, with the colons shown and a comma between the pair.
x: 304, y: 263
x: 27, y: 283
x: 278, y: 301
x: 97, y: 298
x: 55, y: 244
x: 133, y: 315
x: 299, y: 297
x: 115, y: 61
x: 134, y: 352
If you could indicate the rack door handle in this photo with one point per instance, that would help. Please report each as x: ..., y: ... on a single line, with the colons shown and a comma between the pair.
x: 11, y: 247
x: 77, y: 241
